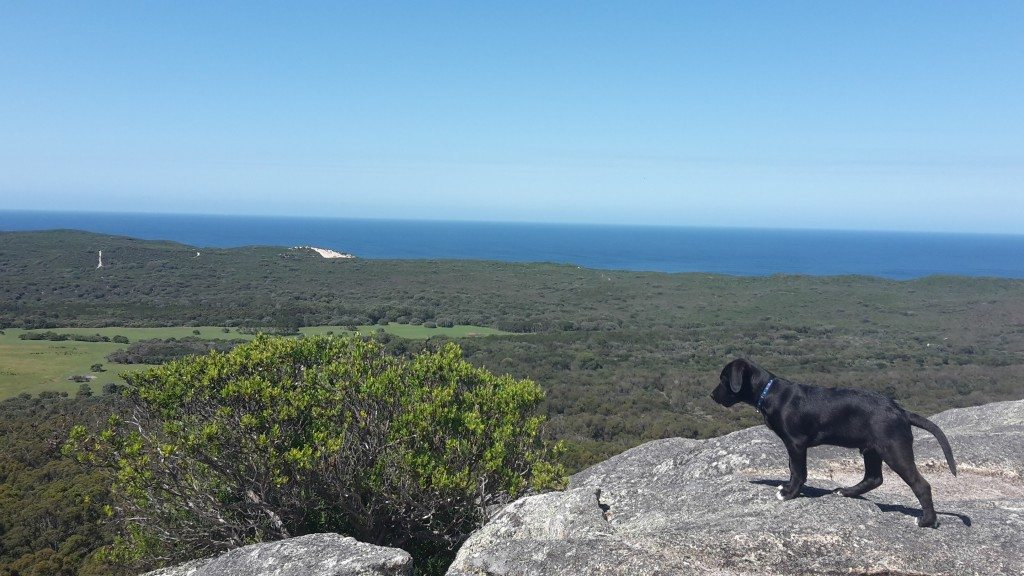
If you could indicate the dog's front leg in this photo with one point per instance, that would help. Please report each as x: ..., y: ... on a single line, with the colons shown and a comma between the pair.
x: 797, y: 471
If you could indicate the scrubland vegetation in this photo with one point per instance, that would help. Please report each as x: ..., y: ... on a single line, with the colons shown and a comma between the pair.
x: 622, y: 357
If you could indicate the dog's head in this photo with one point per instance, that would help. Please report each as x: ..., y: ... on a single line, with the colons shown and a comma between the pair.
x: 737, y: 381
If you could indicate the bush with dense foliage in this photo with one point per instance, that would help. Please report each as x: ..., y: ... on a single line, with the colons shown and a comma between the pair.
x: 282, y: 437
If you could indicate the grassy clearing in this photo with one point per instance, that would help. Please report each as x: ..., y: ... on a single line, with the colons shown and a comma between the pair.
x: 36, y: 365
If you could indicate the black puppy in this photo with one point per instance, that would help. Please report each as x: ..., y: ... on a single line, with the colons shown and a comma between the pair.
x: 805, y: 416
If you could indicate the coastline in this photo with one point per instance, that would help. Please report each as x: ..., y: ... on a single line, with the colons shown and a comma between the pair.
x: 735, y: 252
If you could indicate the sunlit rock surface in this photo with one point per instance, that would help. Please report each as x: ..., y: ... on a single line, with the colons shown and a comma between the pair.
x: 681, y: 506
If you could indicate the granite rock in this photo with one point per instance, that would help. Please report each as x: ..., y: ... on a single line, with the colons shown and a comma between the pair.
x: 680, y: 506
x: 310, y: 555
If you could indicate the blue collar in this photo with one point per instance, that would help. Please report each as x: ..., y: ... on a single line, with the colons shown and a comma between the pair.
x: 764, y: 393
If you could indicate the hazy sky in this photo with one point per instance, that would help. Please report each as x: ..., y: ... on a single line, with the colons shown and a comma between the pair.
x: 888, y: 115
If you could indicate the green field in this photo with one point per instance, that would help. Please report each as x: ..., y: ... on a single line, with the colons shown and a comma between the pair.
x: 36, y: 365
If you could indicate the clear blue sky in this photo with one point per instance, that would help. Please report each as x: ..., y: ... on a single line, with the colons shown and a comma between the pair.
x: 863, y: 115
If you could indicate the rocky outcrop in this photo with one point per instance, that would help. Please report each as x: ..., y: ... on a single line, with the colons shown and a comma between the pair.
x: 311, y: 555
x: 680, y: 506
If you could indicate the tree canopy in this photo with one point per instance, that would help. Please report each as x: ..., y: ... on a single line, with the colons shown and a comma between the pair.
x: 51, y: 508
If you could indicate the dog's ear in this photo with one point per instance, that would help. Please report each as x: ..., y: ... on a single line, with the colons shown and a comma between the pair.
x: 739, y: 375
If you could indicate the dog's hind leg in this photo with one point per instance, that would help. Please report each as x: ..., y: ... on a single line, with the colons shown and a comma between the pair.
x: 872, y: 475
x: 900, y: 457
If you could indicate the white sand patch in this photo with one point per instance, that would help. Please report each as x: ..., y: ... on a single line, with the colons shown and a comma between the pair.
x: 324, y: 252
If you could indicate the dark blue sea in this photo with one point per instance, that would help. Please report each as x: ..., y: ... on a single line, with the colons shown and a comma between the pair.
x: 745, y: 252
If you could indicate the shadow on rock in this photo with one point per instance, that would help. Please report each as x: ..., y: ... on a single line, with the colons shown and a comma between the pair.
x: 808, y: 491
x: 916, y: 513
x: 812, y: 492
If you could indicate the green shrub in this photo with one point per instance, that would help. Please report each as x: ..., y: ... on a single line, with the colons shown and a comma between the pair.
x: 282, y: 437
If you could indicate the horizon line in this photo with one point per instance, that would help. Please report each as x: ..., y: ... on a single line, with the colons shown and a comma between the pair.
x: 602, y: 224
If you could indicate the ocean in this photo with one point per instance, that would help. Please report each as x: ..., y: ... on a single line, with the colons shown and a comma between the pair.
x: 742, y: 252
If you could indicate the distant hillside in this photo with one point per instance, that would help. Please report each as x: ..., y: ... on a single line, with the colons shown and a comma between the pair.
x: 624, y: 356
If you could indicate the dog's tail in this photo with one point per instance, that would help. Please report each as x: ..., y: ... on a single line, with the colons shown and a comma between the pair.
x: 922, y: 422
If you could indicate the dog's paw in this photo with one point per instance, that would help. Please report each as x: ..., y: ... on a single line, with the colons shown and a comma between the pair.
x: 781, y: 487
x: 928, y: 523
x: 779, y: 494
